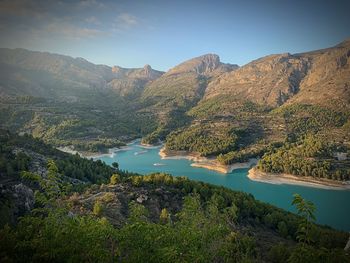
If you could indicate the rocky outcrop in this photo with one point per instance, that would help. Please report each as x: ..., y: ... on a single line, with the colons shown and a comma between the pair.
x: 204, y: 65
x: 116, y: 199
x: 16, y: 199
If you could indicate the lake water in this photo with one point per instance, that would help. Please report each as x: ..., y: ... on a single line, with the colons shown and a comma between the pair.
x: 333, y: 206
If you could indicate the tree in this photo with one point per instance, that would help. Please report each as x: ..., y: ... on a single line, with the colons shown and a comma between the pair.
x: 115, y: 165
x: 306, y: 210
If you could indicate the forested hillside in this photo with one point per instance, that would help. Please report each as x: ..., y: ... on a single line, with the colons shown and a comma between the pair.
x: 111, y: 215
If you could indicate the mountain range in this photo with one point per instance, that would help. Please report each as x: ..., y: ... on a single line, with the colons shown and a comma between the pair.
x: 65, y: 94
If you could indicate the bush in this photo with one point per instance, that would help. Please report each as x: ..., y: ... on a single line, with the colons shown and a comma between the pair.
x: 98, y: 208
x: 115, y: 178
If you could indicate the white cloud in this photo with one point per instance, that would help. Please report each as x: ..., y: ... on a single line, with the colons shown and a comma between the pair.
x: 91, y: 3
x: 93, y: 20
x: 127, y: 19
x: 123, y: 22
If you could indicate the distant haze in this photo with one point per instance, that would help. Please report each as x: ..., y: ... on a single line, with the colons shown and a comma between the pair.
x: 165, y: 33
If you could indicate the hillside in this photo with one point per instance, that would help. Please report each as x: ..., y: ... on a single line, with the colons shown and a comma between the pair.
x: 70, y: 101
x: 179, y: 89
x: 270, y: 103
x: 318, y: 77
x: 109, y: 213
x: 41, y: 74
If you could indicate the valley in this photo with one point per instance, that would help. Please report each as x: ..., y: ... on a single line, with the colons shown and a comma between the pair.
x: 201, y: 106
x: 203, y: 124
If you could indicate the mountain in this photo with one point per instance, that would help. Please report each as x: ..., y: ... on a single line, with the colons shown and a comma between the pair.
x: 56, y: 96
x: 318, y: 77
x: 130, y: 82
x: 44, y: 74
x: 275, y: 106
x: 185, y: 83
x: 327, y: 81
x: 179, y: 89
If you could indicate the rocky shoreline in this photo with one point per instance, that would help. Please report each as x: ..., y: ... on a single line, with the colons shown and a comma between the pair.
x: 212, y: 164
x: 204, y: 162
x: 256, y: 175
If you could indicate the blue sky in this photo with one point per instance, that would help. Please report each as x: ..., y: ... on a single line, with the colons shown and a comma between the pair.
x: 133, y: 33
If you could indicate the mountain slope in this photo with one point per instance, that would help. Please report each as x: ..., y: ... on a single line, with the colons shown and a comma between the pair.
x: 70, y: 101
x: 185, y: 81
x: 179, y: 89
x: 43, y: 74
x: 272, y: 101
x: 312, y: 77
x: 327, y: 82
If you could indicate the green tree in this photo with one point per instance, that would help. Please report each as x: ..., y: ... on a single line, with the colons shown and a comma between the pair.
x: 115, y: 165
x: 306, y: 210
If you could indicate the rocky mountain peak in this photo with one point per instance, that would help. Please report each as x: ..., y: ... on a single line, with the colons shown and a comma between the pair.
x: 116, y: 69
x: 204, y: 64
x: 147, y: 69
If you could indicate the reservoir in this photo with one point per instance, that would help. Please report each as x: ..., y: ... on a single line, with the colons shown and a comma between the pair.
x: 333, y: 206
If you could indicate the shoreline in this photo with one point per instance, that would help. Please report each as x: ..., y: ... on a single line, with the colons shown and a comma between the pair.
x: 211, y: 164
x: 93, y: 155
x: 204, y: 162
x: 259, y: 176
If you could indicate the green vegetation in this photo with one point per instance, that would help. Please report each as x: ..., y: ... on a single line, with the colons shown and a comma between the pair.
x: 202, y: 139
x: 203, y: 231
x: 240, y: 156
x: 223, y: 105
x: 95, y: 122
x: 302, y: 119
x: 307, y: 211
x: 115, y: 178
x: 14, y: 158
x: 213, y: 224
x: 309, y: 156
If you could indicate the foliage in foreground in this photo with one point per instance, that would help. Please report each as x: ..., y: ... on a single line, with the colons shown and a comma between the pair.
x: 203, y: 231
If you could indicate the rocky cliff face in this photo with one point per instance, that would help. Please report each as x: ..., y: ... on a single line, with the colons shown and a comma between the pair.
x: 270, y: 80
x: 327, y: 81
x: 205, y: 65
x: 314, y: 77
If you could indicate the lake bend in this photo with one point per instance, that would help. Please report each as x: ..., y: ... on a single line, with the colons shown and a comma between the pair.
x: 333, y: 206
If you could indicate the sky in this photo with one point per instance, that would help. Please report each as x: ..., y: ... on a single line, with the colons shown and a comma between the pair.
x: 133, y: 33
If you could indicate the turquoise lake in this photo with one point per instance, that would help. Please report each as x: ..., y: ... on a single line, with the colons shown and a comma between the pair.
x: 333, y: 206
